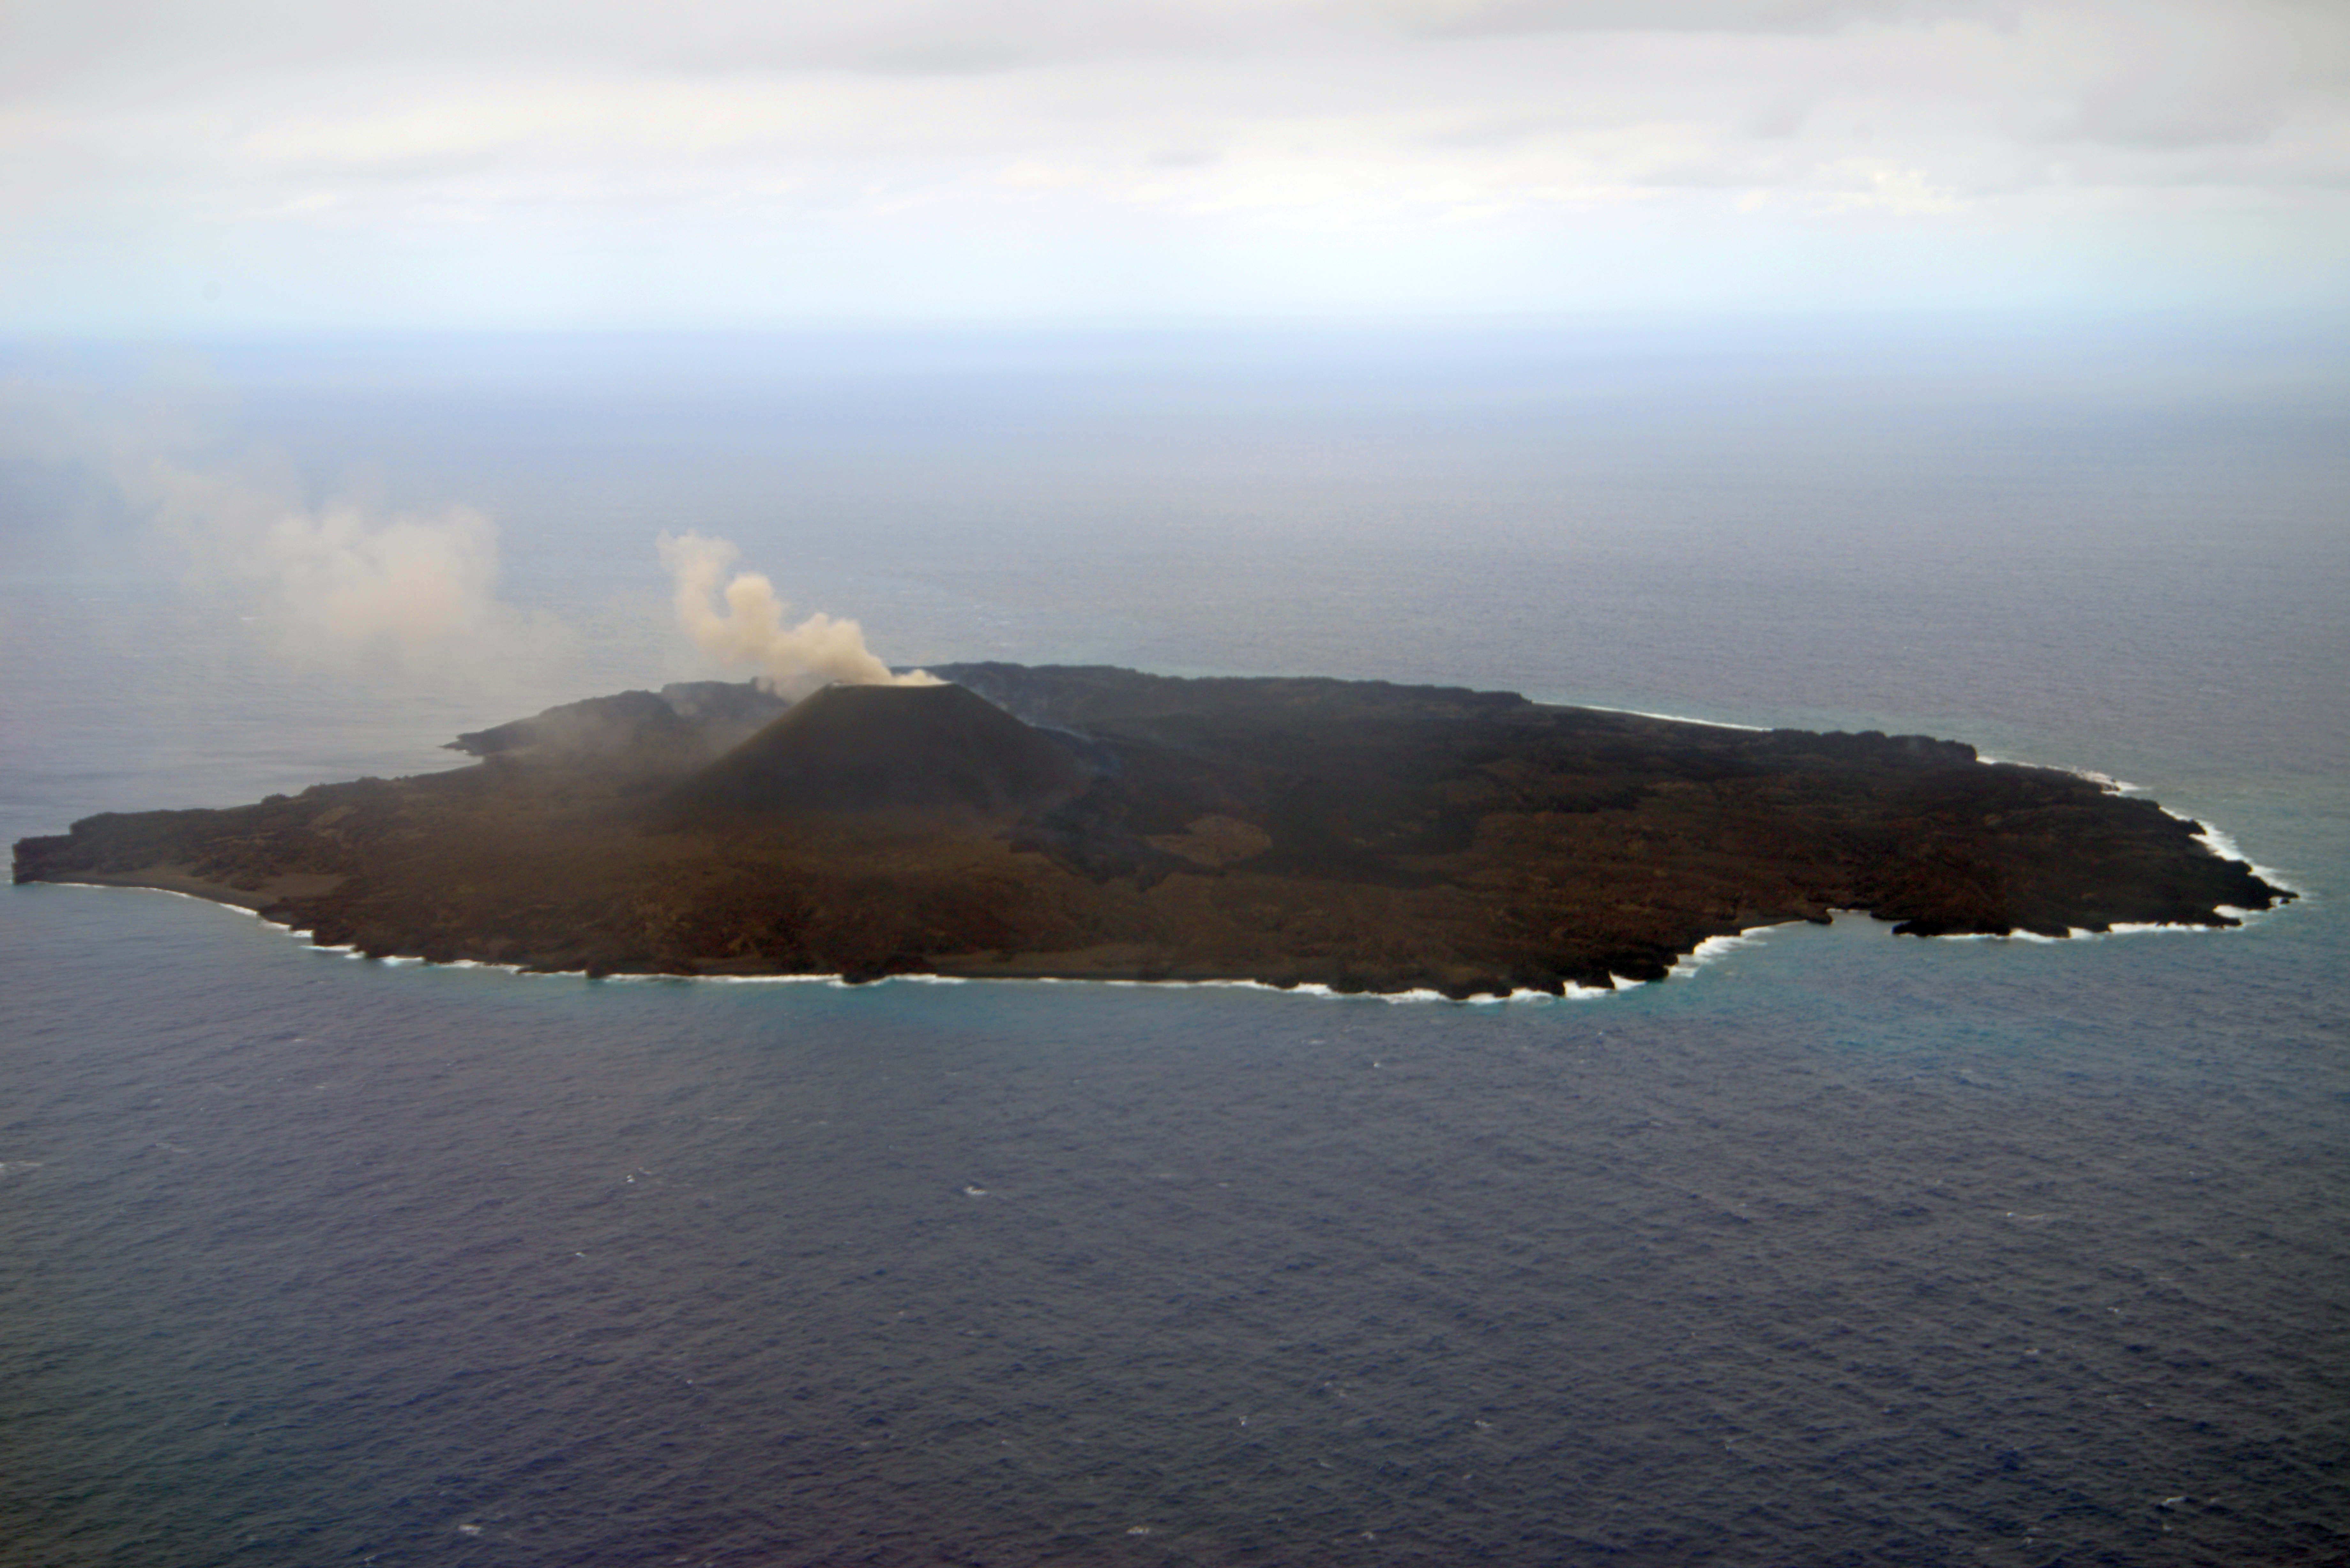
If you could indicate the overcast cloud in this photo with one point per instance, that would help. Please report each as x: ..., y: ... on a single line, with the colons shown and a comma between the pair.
x: 242, y: 162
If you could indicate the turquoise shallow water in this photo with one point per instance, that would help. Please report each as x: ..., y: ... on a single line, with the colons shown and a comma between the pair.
x: 1844, y: 1249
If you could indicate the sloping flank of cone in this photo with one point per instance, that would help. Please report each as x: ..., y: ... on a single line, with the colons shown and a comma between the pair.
x: 880, y: 748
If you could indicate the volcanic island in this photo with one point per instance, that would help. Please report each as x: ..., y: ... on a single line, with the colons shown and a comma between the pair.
x: 1089, y: 823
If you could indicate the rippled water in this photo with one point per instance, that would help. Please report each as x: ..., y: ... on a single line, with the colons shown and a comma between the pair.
x: 1846, y: 1249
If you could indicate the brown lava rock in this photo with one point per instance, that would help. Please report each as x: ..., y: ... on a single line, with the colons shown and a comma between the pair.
x: 1096, y: 823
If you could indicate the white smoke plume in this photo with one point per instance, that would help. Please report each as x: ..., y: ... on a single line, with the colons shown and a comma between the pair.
x: 743, y: 627
x: 346, y: 581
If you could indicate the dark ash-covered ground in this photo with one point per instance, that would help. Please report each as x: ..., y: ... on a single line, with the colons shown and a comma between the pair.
x: 1096, y: 823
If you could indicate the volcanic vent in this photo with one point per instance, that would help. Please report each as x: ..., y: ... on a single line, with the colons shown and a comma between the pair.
x: 891, y: 748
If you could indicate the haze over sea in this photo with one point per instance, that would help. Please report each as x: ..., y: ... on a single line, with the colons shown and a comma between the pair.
x: 1838, y: 1249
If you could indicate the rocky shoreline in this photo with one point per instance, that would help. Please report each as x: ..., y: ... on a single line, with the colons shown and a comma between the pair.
x: 1096, y: 823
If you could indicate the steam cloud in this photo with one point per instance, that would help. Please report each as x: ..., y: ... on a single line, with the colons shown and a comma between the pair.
x: 344, y: 580
x: 748, y: 631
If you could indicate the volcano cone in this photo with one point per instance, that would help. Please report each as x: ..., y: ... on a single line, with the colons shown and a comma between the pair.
x: 881, y: 748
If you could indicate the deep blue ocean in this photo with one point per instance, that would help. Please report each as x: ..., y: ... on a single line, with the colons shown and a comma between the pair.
x: 1842, y: 1249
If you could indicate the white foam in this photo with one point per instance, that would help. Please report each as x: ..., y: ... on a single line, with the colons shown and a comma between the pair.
x: 1715, y: 947
x: 2105, y: 781
x: 167, y: 892
x: 1670, y: 718
x: 2181, y: 928
x: 1316, y: 990
x: 764, y: 978
x: 2219, y: 843
x: 2118, y: 928
x: 1526, y: 996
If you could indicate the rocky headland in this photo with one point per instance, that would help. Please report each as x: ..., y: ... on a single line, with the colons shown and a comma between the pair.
x: 1092, y: 823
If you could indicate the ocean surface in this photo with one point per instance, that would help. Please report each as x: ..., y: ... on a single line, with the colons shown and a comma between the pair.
x: 1834, y: 1248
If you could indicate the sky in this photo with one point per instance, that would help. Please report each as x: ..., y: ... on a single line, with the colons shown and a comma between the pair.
x: 289, y: 165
